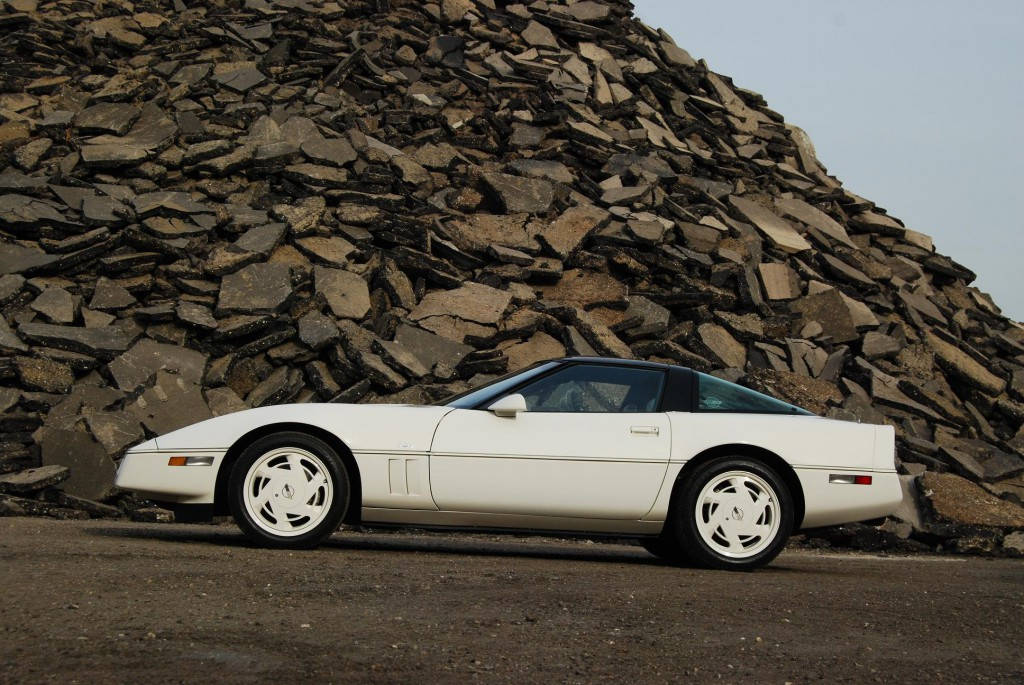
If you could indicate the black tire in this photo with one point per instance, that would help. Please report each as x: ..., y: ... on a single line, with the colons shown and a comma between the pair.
x: 330, y: 514
x: 685, y: 527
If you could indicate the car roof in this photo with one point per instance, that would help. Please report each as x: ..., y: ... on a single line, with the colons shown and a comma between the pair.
x: 615, y: 361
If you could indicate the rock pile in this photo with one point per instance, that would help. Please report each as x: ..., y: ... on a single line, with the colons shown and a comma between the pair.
x: 226, y: 204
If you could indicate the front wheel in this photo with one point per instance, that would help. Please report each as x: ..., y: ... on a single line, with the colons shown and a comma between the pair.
x: 288, y: 490
x: 733, y: 513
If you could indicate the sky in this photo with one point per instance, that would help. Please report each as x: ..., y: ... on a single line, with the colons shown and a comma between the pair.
x: 915, y: 105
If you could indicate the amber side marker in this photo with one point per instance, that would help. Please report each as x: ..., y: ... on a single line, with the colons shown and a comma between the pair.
x: 190, y: 461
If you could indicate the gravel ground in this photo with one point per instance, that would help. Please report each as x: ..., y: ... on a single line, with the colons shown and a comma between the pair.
x: 123, y: 602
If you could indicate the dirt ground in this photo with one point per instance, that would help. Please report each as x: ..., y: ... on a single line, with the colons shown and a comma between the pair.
x: 126, y: 602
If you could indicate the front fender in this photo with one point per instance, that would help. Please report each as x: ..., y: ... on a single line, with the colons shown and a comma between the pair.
x: 366, y: 429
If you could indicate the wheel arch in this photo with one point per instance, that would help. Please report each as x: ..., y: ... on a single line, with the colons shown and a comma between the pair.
x: 767, y: 457
x: 220, y: 498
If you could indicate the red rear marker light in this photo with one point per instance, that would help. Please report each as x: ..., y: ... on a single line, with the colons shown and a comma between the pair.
x: 848, y: 479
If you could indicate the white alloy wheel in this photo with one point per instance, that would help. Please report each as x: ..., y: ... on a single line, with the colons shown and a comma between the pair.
x: 737, y: 514
x: 288, y: 491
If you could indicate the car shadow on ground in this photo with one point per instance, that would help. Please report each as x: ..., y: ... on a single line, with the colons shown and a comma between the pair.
x: 510, y: 545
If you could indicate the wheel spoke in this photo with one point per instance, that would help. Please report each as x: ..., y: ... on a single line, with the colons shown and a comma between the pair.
x: 713, y: 498
x: 265, y: 472
x: 758, y: 504
x: 733, y: 537
x: 760, y: 530
x: 717, y: 519
x: 269, y: 488
x: 308, y: 510
x: 313, y: 486
x: 268, y: 506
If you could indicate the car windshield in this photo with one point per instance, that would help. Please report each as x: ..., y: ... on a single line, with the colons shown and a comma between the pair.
x: 475, y: 396
x: 714, y: 394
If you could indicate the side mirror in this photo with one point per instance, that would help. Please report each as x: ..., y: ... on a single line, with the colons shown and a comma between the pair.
x: 508, y: 406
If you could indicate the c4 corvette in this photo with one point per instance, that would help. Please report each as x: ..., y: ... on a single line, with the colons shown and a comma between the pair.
x: 700, y: 470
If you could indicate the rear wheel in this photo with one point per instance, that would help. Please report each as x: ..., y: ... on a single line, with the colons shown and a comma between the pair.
x: 733, y: 513
x: 288, y: 490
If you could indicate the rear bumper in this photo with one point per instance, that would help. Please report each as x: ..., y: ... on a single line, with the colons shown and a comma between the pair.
x: 148, y: 473
x: 829, y: 504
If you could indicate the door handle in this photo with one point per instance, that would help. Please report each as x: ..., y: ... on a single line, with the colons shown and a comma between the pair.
x: 644, y: 430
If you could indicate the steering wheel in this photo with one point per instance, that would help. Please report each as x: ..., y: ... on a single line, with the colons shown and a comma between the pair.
x: 572, y: 400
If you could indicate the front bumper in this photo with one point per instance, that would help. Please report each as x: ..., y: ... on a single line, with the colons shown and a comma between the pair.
x: 148, y: 473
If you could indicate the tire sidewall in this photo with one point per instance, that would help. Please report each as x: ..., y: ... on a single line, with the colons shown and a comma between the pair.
x: 684, y: 519
x: 340, y: 485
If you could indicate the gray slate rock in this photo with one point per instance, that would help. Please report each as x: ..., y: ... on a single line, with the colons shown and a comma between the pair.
x: 519, y: 194
x: 9, y: 340
x: 16, y: 259
x: 141, y: 363
x: 110, y: 296
x: 256, y: 289
x: 317, y: 330
x: 170, y: 404
x: 346, y: 293
x: 262, y: 240
x: 92, y: 471
x: 107, y: 117
x: 57, y: 305
x: 33, y: 480
x: 102, y: 342
x: 114, y: 430
x: 331, y: 151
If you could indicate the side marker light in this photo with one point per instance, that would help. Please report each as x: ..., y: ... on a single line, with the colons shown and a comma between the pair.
x: 190, y: 461
x: 848, y: 479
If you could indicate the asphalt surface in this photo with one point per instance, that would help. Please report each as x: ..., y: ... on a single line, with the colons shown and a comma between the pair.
x: 125, y: 602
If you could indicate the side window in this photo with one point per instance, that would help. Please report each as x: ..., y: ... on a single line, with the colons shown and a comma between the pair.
x: 714, y: 394
x: 593, y: 388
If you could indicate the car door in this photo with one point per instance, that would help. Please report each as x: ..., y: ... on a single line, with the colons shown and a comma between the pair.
x: 591, y: 443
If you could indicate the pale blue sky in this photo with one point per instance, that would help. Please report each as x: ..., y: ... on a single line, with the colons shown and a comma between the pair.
x: 917, y: 106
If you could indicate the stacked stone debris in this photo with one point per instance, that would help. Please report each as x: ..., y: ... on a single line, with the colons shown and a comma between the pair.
x: 208, y: 206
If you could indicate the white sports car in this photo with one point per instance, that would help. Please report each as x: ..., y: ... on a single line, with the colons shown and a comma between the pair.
x: 700, y: 470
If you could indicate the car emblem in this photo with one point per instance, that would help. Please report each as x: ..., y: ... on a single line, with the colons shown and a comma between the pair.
x: 288, y: 491
x: 737, y: 514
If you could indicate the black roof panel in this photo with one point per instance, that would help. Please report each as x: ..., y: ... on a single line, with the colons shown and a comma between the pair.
x: 619, y: 362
